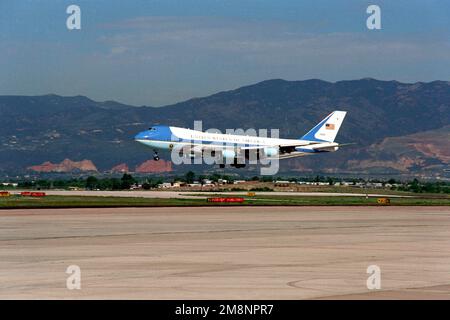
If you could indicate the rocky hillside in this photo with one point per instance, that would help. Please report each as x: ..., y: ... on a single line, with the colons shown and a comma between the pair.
x: 424, y: 151
x: 385, y: 120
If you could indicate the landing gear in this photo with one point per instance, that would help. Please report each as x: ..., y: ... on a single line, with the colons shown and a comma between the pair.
x: 155, y: 155
x: 237, y: 165
x: 234, y: 164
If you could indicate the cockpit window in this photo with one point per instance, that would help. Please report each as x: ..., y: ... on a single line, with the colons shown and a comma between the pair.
x: 152, y: 129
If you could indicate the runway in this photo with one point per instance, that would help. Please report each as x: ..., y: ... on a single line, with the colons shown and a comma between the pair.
x: 226, y: 253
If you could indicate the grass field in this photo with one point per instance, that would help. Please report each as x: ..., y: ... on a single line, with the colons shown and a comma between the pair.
x: 92, y: 201
x: 264, y: 200
x: 307, y: 188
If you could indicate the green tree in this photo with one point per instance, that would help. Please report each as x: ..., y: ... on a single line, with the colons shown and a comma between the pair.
x: 25, y: 184
x: 127, y: 181
x: 214, y: 177
x: 228, y: 178
x: 105, y: 184
x: 43, y: 184
x: 146, y: 186
x: 415, y: 186
x: 116, y: 184
x: 91, y: 183
x: 189, y: 177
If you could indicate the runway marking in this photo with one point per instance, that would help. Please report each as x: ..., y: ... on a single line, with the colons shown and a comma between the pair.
x: 209, y: 232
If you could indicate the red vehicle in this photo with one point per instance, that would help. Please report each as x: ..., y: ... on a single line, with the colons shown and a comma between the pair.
x: 239, y: 200
x: 32, y: 194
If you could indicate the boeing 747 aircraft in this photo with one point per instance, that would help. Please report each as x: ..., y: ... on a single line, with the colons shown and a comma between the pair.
x: 236, y: 148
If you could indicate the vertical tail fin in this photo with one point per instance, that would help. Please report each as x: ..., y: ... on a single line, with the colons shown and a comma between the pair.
x: 327, y: 129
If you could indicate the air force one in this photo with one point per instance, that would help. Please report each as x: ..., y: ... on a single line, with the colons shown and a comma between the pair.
x: 234, y: 149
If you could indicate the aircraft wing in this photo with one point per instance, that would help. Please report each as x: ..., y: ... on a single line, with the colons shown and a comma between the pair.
x: 290, y: 150
x: 288, y: 156
x: 290, y: 147
x: 283, y: 148
x: 286, y: 145
x: 296, y: 149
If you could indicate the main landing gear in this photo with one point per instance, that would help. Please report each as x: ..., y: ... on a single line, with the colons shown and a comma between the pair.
x: 155, y: 155
x: 236, y: 164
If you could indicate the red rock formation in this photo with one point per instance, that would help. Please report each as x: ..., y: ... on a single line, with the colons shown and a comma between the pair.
x: 66, y: 165
x: 47, y: 166
x: 120, y: 168
x: 152, y: 166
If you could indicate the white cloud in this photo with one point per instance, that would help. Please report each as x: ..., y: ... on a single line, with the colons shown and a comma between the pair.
x: 159, y: 60
x: 268, y: 42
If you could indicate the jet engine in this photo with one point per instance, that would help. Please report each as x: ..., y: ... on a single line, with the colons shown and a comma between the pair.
x: 228, y: 154
x: 270, y: 152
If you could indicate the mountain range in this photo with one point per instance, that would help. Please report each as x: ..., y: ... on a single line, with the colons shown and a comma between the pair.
x: 397, y: 128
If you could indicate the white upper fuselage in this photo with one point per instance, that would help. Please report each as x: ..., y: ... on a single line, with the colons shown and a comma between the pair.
x: 230, y: 139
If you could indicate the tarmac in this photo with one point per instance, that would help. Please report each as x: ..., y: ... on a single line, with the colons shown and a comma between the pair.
x: 226, y: 253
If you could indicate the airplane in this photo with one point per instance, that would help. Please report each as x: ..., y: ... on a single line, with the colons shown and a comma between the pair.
x: 235, y: 148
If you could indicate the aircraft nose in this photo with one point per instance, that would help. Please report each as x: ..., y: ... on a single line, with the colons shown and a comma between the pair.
x: 141, y: 135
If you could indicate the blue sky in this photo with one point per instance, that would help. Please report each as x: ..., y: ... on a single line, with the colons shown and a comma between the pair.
x: 159, y: 52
